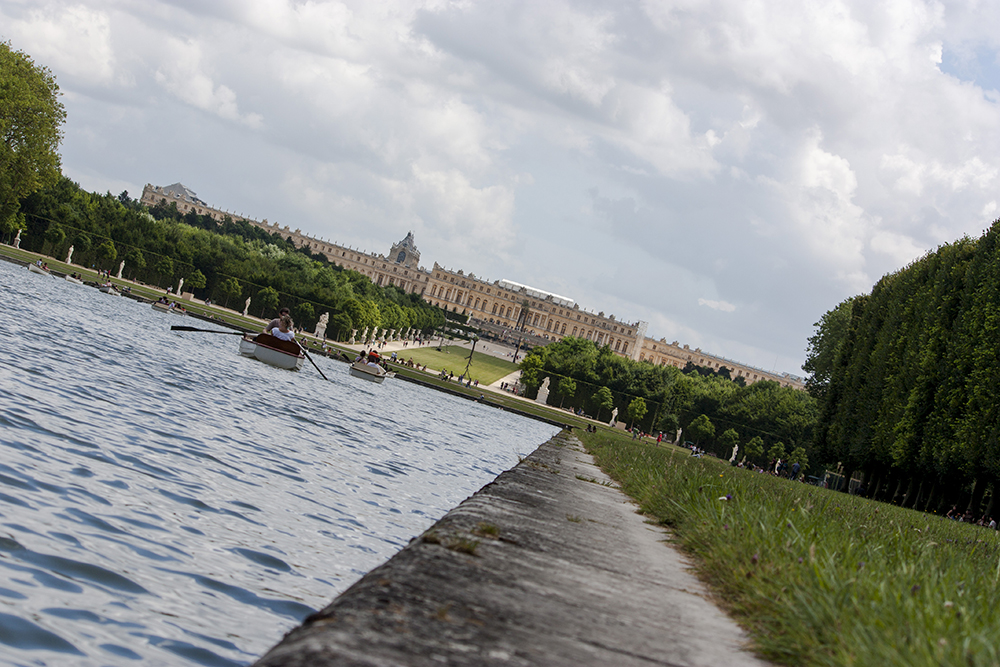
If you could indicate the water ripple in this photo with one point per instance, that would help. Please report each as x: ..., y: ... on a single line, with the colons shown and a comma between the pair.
x: 165, y: 500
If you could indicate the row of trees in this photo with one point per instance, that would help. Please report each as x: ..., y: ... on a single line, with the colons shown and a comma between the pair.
x: 908, y: 378
x: 227, y: 262
x: 664, y: 398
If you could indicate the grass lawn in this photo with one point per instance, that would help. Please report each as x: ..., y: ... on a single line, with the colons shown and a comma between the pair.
x: 816, y: 576
x: 485, y: 368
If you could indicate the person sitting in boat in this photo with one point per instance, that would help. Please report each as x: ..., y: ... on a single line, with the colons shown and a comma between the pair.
x: 273, y: 324
x: 284, y: 329
x: 162, y: 299
x: 361, y: 356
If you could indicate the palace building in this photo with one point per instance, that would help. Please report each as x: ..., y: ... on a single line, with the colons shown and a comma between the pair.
x: 502, y: 306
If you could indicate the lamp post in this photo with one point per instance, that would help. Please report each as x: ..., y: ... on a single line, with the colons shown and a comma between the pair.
x: 475, y: 338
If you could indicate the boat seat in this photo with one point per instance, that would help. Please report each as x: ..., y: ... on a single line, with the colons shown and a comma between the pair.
x: 289, y: 346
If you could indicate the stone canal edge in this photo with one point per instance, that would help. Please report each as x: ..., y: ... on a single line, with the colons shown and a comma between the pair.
x: 549, y: 564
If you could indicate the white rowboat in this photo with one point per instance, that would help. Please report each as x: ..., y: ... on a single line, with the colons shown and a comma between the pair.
x: 273, y: 351
x: 34, y: 268
x: 360, y: 369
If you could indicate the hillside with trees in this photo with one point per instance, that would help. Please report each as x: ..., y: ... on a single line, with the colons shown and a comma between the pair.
x: 227, y: 262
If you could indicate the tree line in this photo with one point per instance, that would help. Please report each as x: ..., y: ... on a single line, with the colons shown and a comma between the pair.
x: 713, y: 412
x: 908, y: 379
x: 228, y: 261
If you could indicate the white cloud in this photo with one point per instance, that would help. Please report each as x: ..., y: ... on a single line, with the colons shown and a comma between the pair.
x: 182, y: 74
x: 73, y: 40
x: 723, y: 306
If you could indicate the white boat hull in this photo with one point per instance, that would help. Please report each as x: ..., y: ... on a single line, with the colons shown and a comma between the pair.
x: 34, y: 268
x: 270, y: 355
x: 366, y: 372
x: 109, y: 289
x: 75, y: 281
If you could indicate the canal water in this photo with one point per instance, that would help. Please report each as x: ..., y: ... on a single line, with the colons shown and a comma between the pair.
x: 165, y: 501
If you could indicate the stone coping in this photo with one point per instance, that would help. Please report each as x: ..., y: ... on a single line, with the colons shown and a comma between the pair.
x: 547, y: 565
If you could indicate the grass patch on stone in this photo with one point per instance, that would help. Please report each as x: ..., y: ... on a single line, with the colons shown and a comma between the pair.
x: 485, y: 368
x: 487, y: 530
x: 816, y: 576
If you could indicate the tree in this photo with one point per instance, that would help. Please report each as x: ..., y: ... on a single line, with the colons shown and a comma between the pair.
x: 164, y: 269
x: 304, y: 314
x: 134, y: 261
x: 107, y: 253
x: 196, y: 279
x: 777, y: 451
x: 341, y: 325
x: 755, y: 448
x: 54, y: 236
x: 267, y: 298
x: 636, y: 410
x: 701, y: 428
x: 566, y: 389
x: 603, y: 399
x: 230, y: 288
x: 530, y: 371
x: 31, y: 118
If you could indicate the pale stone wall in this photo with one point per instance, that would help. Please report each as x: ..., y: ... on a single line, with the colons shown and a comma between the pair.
x: 522, y: 308
x: 662, y: 353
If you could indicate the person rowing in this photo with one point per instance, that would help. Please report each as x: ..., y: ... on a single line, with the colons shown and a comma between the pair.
x: 284, y: 329
x: 273, y: 324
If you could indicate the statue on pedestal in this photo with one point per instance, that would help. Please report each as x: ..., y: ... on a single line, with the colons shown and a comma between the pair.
x: 69, y: 255
x: 180, y: 286
x: 614, y: 418
x: 354, y: 340
x: 321, y: 325
x: 736, y: 448
x: 246, y: 307
x: 120, y: 267
x: 364, y: 336
x: 392, y: 334
x: 17, y: 239
x: 543, y: 392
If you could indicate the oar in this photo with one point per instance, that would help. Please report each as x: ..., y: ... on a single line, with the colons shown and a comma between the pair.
x: 178, y: 327
x: 311, y: 360
x: 183, y: 328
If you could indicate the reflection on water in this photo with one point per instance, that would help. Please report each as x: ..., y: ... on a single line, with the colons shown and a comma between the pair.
x: 163, y: 499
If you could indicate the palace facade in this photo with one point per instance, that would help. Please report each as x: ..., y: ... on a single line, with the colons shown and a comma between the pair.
x: 501, y: 306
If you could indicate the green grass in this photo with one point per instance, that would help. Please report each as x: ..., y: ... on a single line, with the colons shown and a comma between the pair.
x: 819, y: 577
x: 485, y: 368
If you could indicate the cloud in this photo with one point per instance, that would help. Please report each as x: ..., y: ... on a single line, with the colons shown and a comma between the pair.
x: 723, y: 306
x: 181, y: 73
x: 72, y: 40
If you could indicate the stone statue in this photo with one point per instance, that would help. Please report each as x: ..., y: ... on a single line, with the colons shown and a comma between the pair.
x: 543, y: 392
x: 246, y: 307
x: 321, y: 325
x: 354, y: 339
x: 614, y: 418
x: 180, y: 286
x: 736, y: 448
x: 69, y: 256
x: 364, y: 336
x: 392, y: 334
x: 120, y: 268
x: 17, y: 239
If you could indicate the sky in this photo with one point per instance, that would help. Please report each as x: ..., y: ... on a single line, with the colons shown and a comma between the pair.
x: 726, y: 171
